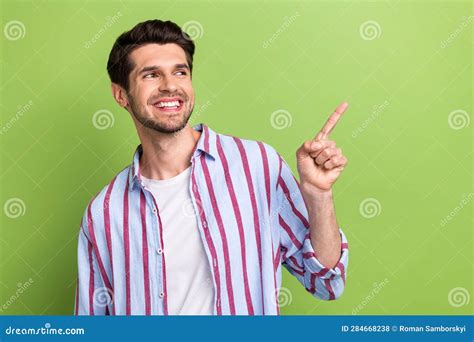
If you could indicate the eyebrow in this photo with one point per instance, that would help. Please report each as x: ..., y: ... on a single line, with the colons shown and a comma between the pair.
x: 156, y: 67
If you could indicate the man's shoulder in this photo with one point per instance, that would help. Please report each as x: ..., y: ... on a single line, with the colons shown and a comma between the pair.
x: 252, y: 149
x: 94, y: 209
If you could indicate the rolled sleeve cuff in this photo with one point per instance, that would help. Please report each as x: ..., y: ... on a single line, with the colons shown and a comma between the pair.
x: 315, y: 266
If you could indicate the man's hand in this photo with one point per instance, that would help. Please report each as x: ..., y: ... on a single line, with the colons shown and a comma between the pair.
x: 319, y: 161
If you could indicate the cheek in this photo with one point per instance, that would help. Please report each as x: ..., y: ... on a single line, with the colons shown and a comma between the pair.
x: 190, y: 93
x: 143, y: 93
x: 187, y: 87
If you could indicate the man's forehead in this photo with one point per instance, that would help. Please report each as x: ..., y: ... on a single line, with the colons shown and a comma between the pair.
x: 166, y: 55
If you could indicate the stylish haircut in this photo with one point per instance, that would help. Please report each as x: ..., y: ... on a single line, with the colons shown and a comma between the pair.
x: 155, y: 31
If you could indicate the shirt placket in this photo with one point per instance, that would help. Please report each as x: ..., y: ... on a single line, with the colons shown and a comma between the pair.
x: 204, y: 231
x: 158, y: 248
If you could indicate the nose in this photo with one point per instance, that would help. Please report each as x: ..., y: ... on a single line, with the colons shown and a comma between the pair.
x: 167, y: 84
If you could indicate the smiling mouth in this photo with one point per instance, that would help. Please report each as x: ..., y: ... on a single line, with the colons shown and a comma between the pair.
x: 169, y: 106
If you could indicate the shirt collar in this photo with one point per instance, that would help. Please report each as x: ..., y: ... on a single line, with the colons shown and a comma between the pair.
x: 206, y: 144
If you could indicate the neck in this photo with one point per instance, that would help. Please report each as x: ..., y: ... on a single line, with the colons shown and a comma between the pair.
x: 166, y: 155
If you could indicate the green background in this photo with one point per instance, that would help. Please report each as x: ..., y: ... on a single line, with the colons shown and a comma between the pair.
x: 407, y: 133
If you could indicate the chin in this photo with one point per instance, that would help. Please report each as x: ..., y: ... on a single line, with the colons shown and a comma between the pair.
x: 169, y: 125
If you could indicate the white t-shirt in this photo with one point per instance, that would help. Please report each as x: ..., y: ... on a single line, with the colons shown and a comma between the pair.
x: 188, y: 275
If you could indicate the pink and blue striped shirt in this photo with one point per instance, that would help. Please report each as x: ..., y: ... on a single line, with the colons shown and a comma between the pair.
x: 251, y: 218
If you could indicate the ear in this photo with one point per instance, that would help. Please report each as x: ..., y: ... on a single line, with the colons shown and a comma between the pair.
x: 119, y: 95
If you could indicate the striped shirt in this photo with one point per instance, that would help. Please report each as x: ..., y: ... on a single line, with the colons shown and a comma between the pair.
x: 251, y: 218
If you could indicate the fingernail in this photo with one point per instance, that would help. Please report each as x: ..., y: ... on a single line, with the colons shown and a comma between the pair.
x: 342, y: 107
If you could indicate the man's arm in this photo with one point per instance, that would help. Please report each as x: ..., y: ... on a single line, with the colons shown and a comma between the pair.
x: 92, y: 296
x: 320, y: 163
x: 298, y: 254
x: 324, y: 232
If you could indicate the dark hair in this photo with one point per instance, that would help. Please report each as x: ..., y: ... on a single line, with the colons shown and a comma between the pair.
x: 156, y: 31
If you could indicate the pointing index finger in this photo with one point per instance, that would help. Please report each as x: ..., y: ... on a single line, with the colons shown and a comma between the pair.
x: 332, y: 121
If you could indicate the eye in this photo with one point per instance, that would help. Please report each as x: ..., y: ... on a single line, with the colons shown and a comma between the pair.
x: 149, y: 75
x: 181, y: 72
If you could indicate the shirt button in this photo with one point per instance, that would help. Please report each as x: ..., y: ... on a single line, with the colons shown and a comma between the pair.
x: 154, y: 210
x: 160, y: 251
x: 162, y: 294
x: 204, y: 224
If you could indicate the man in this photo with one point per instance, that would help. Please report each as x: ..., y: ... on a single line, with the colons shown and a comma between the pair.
x: 200, y: 223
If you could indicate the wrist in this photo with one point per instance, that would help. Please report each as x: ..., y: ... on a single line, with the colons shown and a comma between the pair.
x: 312, y: 190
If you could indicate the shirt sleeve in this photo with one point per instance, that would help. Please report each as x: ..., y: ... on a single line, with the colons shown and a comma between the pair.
x: 92, y: 296
x: 297, y: 253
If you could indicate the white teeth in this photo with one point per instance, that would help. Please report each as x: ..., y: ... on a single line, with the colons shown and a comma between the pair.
x: 168, y: 104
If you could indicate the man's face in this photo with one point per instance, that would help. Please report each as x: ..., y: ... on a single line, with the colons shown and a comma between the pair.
x: 160, y: 94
